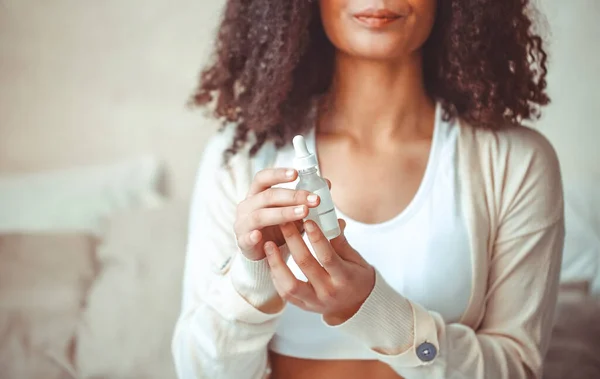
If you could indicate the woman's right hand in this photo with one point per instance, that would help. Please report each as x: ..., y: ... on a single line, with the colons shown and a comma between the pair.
x: 265, y: 208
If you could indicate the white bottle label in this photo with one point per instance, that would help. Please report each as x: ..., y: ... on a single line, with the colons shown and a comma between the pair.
x: 324, y: 215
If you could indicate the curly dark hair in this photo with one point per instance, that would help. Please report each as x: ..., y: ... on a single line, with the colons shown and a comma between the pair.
x: 483, y: 61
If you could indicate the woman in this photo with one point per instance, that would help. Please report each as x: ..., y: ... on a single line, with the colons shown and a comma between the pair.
x: 451, y: 209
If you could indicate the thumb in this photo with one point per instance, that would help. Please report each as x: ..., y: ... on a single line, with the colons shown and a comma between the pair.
x: 343, y: 248
x: 343, y: 224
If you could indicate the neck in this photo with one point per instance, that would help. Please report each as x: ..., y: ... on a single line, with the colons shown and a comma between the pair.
x: 378, y: 99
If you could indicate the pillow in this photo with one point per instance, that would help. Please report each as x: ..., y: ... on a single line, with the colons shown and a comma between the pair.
x: 581, y: 257
x: 77, y: 199
x: 43, y: 283
x: 574, y: 350
x: 128, y: 325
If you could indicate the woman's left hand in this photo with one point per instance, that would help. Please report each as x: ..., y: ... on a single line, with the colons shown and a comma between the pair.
x: 337, y: 289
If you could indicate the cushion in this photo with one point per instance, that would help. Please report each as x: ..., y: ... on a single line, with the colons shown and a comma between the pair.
x: 128, y: 325
x: 574, y: 350
x: 44, y: 279
x: 76, y: 199
x: 581, y: 258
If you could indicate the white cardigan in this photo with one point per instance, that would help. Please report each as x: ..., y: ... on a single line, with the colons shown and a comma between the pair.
x: 513, y: 204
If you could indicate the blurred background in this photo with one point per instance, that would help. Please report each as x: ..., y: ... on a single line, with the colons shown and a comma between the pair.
x: 97, y: 160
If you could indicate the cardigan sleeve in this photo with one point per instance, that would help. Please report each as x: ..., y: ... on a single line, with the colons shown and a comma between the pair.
x: 230, y: 307
x: 522, y: 280
x: 509, y: 344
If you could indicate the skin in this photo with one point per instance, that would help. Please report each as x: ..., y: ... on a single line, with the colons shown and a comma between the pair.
x: 379, y: 124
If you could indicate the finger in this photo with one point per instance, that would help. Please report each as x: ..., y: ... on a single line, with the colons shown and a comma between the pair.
x: 300, y: 226
x: 269, y: 177
x: 284, y: 280
x: 280, y: 197
x: 262, y: 218
x: 327, y: 255
x: 311, y: 268
x: 249, y: 245
x: 299, y: 303
x: 309, y: 307
x: 341, y: 245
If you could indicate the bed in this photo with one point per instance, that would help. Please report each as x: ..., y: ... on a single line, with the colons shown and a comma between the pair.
x: 95, y: 293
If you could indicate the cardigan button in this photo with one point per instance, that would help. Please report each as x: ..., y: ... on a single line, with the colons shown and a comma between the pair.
x: 426, y: 352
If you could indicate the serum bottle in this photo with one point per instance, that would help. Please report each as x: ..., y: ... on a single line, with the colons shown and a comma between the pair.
x: 309, y: 180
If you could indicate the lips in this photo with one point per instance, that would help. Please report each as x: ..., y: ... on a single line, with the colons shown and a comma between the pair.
x: 376, y: 17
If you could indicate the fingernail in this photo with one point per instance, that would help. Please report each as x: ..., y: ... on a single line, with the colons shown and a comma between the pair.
x: 309, y: 226
x: 312, y: 198
x: 290, y: 173
x: 299, y: 210
x: 269, y: 249
x: 254, y: 237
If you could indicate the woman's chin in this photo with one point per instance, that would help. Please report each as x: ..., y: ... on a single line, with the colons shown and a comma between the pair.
x: 377, y: 52
x: 376, y: 47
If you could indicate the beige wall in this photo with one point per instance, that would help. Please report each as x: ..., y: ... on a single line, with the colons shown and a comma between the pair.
x: 572, y: 121
x: 94, y: 81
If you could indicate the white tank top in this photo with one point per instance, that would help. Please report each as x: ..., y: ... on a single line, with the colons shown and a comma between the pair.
x: 423, y: 253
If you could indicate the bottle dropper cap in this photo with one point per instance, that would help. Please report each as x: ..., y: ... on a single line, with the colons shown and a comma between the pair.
x: 304, y: 159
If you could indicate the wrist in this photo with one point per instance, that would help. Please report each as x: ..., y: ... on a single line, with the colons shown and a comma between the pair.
x: 252, y: 280
x: 340, y: 317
